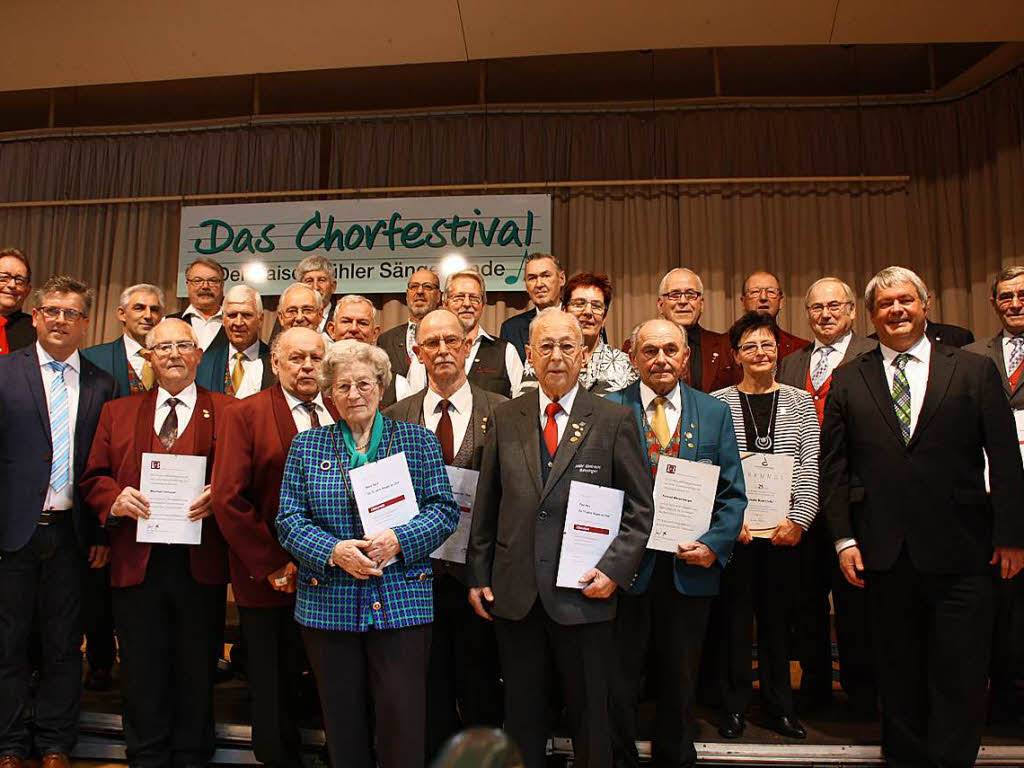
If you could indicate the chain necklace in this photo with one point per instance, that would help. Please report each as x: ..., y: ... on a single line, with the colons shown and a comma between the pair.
x: 763, y: 442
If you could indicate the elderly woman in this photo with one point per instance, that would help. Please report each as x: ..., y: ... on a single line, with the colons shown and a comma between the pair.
x: 365, y: 623
x: 761, y: 578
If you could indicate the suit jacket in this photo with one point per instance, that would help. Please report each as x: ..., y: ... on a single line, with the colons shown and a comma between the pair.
x: 26, y: 446
x: 714, y: 442
x: 220, y: 340
x: 124, y: 433
x: 993, y: 348
x: 788, y: 344
x: 516, y: 536
x: 20, y: 331
x: 113, y: 359
x: 793, y: 370
x: 318, y: 509
x: 718, y: 368
x: 516, y: 331
x: 950, y: 335
x: 929, y: 495
x: 210, y: 374
x: 392, y: 341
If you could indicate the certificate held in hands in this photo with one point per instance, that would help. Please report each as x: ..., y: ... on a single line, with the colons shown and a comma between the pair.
x: 769, y: 480
x: 384, y: 494
x: 592, y: 520
x: 464, y: 483
x: 684, y: 498
x: 171, y: 483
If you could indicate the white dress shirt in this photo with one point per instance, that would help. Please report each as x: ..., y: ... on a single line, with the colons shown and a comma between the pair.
x: 1007, y: 353
x: 133, y: 351
x: 301, y: 416
x: 417, y: 377
x: 253, y: 368
x: 65, y: 499
x: 410, y: 340
x: 562, y: 417
x: 839, y: 346
x: 205, y: 329
x: 460, y: 406
x: 673, y: 405
x: 186, y: 405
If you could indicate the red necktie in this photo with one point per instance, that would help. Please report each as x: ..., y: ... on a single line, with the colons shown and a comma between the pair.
x: 551, y: 428
x: 446, y: 434
x: 4, y: 349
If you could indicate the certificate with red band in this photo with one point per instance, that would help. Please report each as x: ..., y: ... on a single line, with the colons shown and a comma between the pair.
x: 464, y: 490
x: 592, y: 519
x: 384, y: 494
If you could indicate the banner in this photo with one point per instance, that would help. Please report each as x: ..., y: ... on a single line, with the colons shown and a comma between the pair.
x: 374, y: 244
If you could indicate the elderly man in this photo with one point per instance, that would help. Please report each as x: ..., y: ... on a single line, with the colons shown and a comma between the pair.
x: 545, y: 279
x: 669, y: 603
x: 762, y: 292
x: 168, y: 598
x: 318, y: 273
x: 204, y: 281
x: 907, y: 427
x: 139, y: 310
x: 16, y: 329
x: 354, y: 317
x: 539, y: 444
x: 242, y: 366
x: 300, y: 307
x: 422, y: 295
x: 463, y: 686
x: 50, y: 404
x: 831, y: 310
x: 257, y: 433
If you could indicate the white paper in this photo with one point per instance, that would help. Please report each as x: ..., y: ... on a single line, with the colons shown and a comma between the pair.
x: 592, y: 520
x: 384, y: 495
x: 171, y: 483
x: 464, y: 490
x: 769, y: 481
x: 1018, y: 416
x: 684, y: 498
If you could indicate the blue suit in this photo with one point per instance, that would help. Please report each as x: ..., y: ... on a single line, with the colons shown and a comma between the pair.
x: 112, y: 358
x: 210, y: 374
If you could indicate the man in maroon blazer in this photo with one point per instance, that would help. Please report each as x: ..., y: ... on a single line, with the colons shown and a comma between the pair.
x: 256, y: 434
x: 168, y: 598
x: 762, y: 292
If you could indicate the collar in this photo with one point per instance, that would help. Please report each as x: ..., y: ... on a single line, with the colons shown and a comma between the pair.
x: 461, y: 400
x: 481, y: 333
x: 565, y: 400
x: 73, y: 362
x: 647, y: 395
x: 251, y: 353
x: 131, y: 347
x: 193, y: 311
x: 294, y: 402
x: 1008, y: 337
x: 186, y: 397
x: 921, y: 351
x: 839, y: 345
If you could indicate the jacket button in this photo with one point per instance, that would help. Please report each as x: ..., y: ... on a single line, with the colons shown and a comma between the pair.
x: 313, y: 582
x: 423, y: 577
x: 542, y: 515
x: 376, y: 606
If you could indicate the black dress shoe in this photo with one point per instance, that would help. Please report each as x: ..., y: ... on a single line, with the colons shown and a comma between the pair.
x: 732, y: 725
x: 786, y: 726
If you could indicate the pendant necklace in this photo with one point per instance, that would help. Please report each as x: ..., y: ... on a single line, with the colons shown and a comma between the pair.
x: 763, y: 442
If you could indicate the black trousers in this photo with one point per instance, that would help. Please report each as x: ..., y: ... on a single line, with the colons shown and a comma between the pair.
x: 98, y: 620
x: 42, y: 581
x: 673, y: 626
x: 932, y: 635
x: 273, y: 652
x: 463, y: 680
x: 387, y: 667
x: 1008, y: 647
x: 536, y: 651
x: 169, y: 627
x: 759, y: 581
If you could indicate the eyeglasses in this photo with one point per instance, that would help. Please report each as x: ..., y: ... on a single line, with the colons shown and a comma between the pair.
x: 567, y: 348
x: 434, y: 344
x: 751, y: 347
x: 197, y: 281
x: 689, y: 294
x: 362, y: 387
x: 581, y: 305
x: 306, y: 311
x: 423, y: 287
x: 18, y: 280
x: 771, y: 293
x: 1002, y: 299
x: 466, y: 298
x: 833, y: 307
x: 165, y: 348
x: 52, y: 313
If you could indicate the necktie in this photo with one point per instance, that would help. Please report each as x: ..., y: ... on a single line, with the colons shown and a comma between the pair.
x: 1017, y: 355
x: 314, y: 417
x: 901, y: 394
x: 169, y: 430
x: 4, y: 349
x: 551, y: 428
x: 445, y: 433
x: 147, y: 376
x: 60, y: 432
x: 238, y: 372
x: 659, y: 423
x: 820, y: 372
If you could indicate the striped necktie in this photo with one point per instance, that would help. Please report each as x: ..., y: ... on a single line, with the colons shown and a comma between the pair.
x: 60, y: 428
x: 820, y: 372
x: 901, y: 394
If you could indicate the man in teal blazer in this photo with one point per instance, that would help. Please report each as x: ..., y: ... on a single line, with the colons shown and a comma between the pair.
x: 669, y: 601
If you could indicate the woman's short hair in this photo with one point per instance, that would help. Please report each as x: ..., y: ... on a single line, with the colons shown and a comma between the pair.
x: 752, y: 321
x: 588, y: 280
x: 343, y: 354
x: 892, y: 276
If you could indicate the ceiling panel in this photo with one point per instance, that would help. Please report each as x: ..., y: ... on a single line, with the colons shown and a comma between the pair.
x: 928, y: 21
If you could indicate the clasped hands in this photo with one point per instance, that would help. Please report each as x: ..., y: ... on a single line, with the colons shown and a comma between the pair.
x: 786, y: 534
x: 363, y: 558
x: 132, y: 503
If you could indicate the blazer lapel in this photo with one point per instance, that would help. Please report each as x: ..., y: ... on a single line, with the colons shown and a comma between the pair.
x: 144, y: 431
x: 203, y: 416
x: 572, y: 438
x: 282, y: 417
x: 481, y: 416
x: 86, y: 396
x: 34, y: 380
x: 689, y: 424
x: 874, y: 376
x: 995, y: 351
x: 120, y: 367
x: 529, y: 435
x: 631, y: 397
x: 940, y: 371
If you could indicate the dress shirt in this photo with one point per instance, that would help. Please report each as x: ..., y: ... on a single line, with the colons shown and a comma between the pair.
x: 1007, y: 353
x: 673, y: 405
x: 186, y: 405
x: 324, y: 317
x: 205, y: 329
x: 301, y: 416
x: 417, y: 377
x: 839, y: 346
x: 562, y: 417
x: 133, y: 351
x: 253, y: 369
x: 72, y: 382
x: 460, y: 409
x: 410, y: 340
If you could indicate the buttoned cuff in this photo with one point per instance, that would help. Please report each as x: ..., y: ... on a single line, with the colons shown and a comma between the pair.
x: 842, y: 544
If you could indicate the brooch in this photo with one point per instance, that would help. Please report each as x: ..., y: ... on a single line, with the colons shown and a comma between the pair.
x: 325, y: 465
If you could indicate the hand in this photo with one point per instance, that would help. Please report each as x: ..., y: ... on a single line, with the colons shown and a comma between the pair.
x: 347, y: 555
x: 1009, y: 559
x: 130, y: 503
x: 477, y: 596
x: 850, y: 563
x: 745, y: 538
x: 99, y: 555
x: 695, y: 553
x: 600, y: 588
x: 383, y: 546
x: 285, y: 579
x: 786, y: 534
x: 202, y: 506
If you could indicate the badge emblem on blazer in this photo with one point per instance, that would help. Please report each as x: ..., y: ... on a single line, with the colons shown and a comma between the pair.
x: 325, y: 465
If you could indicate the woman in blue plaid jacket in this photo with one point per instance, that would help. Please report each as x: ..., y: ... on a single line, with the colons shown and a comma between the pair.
x: 366, y: 626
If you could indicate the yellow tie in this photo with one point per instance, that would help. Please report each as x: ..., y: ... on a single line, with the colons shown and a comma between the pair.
x: 659, y: 423
x: 238, y: 372
x: 147, y: 376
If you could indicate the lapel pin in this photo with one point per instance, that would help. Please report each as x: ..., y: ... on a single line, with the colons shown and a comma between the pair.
x: 574, y: 439
x: 325, y: 465
x: 689, y: 435
x: 206, y: 414
x: 689, y: 445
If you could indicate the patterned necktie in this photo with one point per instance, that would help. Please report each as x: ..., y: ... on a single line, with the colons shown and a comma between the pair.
x: 901, y: 394
x: 1017, y: 355
x: 238, y: 372
x: 551, y: 428
x: 446, y: 433
x: 60, y: 432
x: 659, y: 423
x: 4, y: 348
x: 820, y: 372
x: 147, y: 375
x: 314, y: 417
x: 169, y: 430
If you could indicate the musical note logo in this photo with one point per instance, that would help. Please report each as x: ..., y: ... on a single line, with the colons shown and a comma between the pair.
x: 513, y: 279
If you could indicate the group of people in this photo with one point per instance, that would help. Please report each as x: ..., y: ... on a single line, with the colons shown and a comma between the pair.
x: 907, y: 507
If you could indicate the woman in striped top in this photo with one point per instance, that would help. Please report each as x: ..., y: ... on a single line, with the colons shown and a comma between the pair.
x: 762, y: 576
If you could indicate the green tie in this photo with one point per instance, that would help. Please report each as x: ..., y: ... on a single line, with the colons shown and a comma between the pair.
x: 901, y: 394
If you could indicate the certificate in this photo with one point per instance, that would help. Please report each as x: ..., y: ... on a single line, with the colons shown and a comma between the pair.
x: 171, y: 483
x: 592, y: 520
x: 384, y: 494
x: 769, y: 480
x: 684, y: 498
x: 1018, y: 416
x: 464, y: 489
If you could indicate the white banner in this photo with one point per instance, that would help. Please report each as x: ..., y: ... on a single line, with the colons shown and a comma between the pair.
x: 374, y: 244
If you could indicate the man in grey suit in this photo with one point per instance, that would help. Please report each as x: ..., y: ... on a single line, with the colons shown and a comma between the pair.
x: 463, y: 687
x: 422, y: 295
x: 539, y: 444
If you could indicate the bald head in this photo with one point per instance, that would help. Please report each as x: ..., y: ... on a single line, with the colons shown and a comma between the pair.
x: 442, y: 347
x: 555, y: 351
x: 422, y: 293
x: 296, y: 357
x: 174, y: 366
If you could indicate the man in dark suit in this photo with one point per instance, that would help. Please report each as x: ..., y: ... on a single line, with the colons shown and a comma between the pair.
x: 463, y: 687
x: 50, y: 404
x: 256, y: 434
x: 906, y: 431
x: 16, y: 329
x: 242, y: 366
x: 544, y: 279
x: 831, y: 310
x: 204, y: 281
x: 762, y: 292
x: 669, y: 604
x: 422, y: 295
x: 1006, y: 350
x: 516, y: 538
x: 168, y: 598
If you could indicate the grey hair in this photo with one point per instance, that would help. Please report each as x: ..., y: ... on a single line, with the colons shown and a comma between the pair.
x: 668, y: 276
x: 355, y: 298
x: 473, y: 275
x: 537, y: 256
x: 891, y: 276
x: 850, y: 295
x: 126, y: 294
x: 343, y: 354
x: 547, y: 312
x: 315, y: 263
x: 237, y: 294
x: 1009, y: 273
x: 191, y: 331
x: 317, y: 298
x: 636, y: 332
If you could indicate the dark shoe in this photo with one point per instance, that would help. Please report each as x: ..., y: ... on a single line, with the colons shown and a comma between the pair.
x: 786, y: 726
x: 732, y: 725
x: 98, y: 680
x: 11, y: 761
x: 55, y: 760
